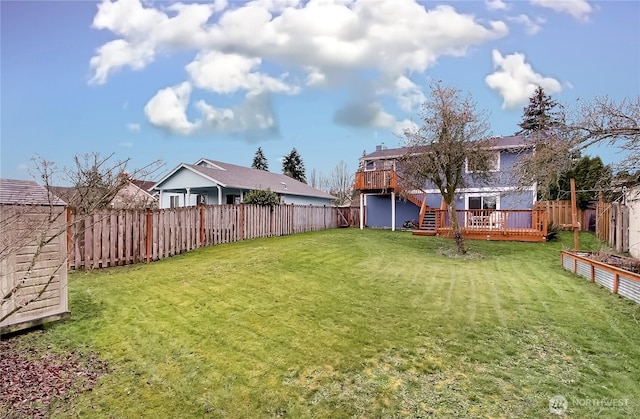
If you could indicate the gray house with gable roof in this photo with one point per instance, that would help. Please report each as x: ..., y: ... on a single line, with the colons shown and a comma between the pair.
x: 213, y: 182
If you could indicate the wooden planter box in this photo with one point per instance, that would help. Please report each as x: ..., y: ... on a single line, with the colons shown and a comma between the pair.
x: 619, y: 281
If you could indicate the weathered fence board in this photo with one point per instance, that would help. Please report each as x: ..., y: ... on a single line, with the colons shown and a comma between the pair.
x: 559, y: 213
x: 113, y: 237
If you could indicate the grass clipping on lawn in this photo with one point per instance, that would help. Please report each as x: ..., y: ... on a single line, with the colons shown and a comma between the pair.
x: 350, y: 323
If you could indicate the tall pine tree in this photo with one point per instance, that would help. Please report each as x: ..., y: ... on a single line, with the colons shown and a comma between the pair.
x: 540, y: 115
x: 293, y: 166
x: 260, y: 161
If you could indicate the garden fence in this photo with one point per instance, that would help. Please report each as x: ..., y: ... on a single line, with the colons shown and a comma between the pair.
x: 559, y: 213
x: 115, y: 237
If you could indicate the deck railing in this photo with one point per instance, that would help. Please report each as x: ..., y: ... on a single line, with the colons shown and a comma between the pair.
x: 376, y: 179
x: 527, y: 224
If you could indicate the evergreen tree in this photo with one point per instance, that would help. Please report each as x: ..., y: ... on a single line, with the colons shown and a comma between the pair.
x: 591, y: 176
x: 540, y: 115
x: 293, y: 166
x: 260, y: 161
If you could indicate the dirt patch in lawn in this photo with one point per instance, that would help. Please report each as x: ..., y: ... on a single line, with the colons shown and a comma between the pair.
x: 34, y: 379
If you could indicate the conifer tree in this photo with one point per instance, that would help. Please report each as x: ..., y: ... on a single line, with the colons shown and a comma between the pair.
x: 293, y: 166
x: 540, y: 115
x: 260, y: 161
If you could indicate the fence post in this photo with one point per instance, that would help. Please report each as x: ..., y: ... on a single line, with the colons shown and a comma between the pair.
x: 148, y: 237
x: 69, y: 237
x: 242, y: 221
x: 201, y: 225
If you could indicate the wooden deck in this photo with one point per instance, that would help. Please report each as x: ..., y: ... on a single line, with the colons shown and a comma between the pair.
x: 376, y: 180
x: 505, y: 225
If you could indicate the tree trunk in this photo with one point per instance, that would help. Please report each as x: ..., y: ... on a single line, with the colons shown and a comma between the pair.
x: 455, y: 228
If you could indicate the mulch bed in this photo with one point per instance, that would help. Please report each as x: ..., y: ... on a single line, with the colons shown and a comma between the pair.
x: 32, y: 380
x: 622, y: 262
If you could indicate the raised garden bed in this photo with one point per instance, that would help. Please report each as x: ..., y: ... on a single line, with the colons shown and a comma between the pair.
x: 615, y: 273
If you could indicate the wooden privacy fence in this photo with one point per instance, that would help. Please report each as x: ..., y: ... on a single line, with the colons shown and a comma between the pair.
x: 613, y: 224
x: 559, y: 213
x: 114, y: 237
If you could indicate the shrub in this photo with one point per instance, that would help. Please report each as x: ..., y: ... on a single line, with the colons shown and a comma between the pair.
x: 552, y: 231
x: 262, y: 197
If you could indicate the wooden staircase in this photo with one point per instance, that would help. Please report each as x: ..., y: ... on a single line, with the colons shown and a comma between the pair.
x: 428, y: 221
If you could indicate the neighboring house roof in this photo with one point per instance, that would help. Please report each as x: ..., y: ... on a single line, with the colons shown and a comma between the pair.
x: 71, y: 194
x: 63, y: 192
x: 145, y: 185
x: 240, y: 177
x: 26, y: 192
x: 498, y: 143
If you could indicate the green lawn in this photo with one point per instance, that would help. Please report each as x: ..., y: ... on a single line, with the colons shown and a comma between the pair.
x: 350, y: 323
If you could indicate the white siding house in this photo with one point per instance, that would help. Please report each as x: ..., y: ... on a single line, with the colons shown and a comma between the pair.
x: 213, y: 182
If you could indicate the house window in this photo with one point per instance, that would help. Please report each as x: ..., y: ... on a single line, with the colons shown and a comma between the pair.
x: 483, y: 202
x: 201, y: 199
x: 387, y: 164
x: 369, y: 165
x: 233, y: 199
x: 174, y: 201
x: 492, y: 162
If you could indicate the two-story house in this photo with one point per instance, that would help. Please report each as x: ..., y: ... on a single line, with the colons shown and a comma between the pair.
x: 388, y: 202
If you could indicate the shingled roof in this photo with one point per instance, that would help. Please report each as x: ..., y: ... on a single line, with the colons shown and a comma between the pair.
x: 26, y: 192
x: 232, y: 176
x: 498, y: 143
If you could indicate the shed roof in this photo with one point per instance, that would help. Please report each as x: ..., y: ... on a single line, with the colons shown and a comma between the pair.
x: 26, y: 192
x: 234, y: 176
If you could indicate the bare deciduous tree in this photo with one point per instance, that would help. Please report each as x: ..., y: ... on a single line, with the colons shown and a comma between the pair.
x: 316, y: 179
x: 96, y: 181
x: 599, y: 121
x: 438, y: 150
x: 339, y: 183
x: 602, y: 120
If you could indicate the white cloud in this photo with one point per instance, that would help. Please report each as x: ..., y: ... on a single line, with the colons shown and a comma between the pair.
x: 240, y: 47
x: 516, y: 81
x: 393, y: 36
x: 579, y: 9
x: 254, y: 114
x: 531, y: 26
x: 228, y: 73
x: 408, y: 94
x: 315, y: 77
x: 133, y: 127
x: 116, y: 54
x: 400, y: 127
x: 496, y: 5
x: 167, y: 109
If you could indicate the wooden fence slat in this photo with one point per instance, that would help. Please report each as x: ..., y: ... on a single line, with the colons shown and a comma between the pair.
x: 113, y: 237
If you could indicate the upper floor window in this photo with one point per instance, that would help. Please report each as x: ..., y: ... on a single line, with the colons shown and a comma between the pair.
x: 491, y: 161
x: 379, y: 165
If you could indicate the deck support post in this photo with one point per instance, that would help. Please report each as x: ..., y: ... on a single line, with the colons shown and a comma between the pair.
x: 361, y: 211
x: 393, y: 211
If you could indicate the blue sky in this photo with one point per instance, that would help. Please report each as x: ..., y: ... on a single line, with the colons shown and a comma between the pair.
x: 161, y: 80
